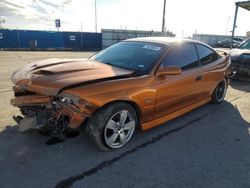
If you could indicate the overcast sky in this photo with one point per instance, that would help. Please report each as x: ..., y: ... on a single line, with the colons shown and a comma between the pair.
x: 182, y: 17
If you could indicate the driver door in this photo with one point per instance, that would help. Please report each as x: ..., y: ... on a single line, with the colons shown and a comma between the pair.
x: 174, y: 92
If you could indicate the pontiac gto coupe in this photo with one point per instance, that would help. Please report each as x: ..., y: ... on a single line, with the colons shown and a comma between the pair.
x: 141, y: 82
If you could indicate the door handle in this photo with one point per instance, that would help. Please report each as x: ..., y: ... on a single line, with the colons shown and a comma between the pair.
x: 199, y: 78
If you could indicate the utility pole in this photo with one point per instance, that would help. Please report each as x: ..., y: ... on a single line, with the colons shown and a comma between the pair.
x: 18, y: 38
x: 228, y: 22
x: 81, y: 37
x: 95, y: 18
x: 234, y: 26
x: 163, y: 18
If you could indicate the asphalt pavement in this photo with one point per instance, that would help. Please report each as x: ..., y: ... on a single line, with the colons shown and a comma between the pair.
x: 208, y: 147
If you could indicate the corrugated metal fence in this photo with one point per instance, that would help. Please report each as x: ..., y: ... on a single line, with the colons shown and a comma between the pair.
x: 113, y: 36
x: 49, y: 40
x: 213, y: 39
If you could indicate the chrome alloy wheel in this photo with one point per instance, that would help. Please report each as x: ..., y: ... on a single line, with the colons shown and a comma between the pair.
x: 119, y: 129
x: 221, y: 90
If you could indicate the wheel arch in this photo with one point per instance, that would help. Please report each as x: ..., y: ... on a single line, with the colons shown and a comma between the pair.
x: 227, y: 81
x: 130, y: 102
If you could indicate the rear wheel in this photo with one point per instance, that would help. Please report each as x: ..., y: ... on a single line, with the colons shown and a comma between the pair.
x: 113, y: 126
x: 219, y: 92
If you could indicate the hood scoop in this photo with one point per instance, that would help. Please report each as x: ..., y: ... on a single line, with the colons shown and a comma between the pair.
x: 51, y: 72
x: 50, y: 62
x: 44, y: 72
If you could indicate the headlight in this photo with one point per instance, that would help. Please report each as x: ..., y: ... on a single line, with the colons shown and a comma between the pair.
x: 66, y: 100
x: 69, y: 98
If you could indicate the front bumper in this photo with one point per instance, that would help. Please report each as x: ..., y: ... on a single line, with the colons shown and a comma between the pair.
x: 240, y: 69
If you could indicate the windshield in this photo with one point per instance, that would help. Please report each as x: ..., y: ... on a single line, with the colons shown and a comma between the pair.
x: 245, y: 45
x: 137, y: 56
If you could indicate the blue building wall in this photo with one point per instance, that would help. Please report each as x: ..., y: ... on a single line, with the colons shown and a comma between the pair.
x: 22, y: 39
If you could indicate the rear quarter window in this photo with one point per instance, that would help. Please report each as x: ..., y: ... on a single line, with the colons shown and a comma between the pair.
x: 206, y: 54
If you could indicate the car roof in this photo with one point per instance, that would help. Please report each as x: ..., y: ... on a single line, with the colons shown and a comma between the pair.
x: 163, y: 40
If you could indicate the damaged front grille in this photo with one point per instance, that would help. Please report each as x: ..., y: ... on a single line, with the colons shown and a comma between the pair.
x: 24, y: 93
x: 39, y: 111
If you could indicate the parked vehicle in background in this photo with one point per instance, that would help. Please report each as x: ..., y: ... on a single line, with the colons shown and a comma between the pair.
x: 227, y: 43
x: 140, y: 82
x: 240, y: 58
x: 239, y: 40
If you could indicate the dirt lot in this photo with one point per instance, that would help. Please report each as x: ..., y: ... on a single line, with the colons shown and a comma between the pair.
x: 208, y: 147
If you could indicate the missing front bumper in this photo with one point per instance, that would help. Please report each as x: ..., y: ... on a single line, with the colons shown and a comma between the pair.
x: 25, y: 124
x: 39, y: 111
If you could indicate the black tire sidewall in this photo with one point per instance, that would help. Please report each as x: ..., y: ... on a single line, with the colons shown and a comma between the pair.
x: 99, y: 120
x: 214, y: 95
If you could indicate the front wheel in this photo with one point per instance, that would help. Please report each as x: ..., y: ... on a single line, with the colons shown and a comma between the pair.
x: 113, y: 126
x: 219, y: 92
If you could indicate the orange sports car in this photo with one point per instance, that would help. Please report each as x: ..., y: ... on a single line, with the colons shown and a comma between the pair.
x: 141, y: 82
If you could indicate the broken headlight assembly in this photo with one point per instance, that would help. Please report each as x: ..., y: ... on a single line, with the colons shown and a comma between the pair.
x: 68, y: 98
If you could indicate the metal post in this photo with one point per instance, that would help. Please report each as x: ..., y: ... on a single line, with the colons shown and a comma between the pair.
x: 81, y: 37
x: 163, y: 18
x: 95, y: 18
x: 18, y: 38
x: 234, y: 25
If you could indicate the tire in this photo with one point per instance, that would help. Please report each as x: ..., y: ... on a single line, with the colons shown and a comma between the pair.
x: 112, y: 126
x: 219, y: 92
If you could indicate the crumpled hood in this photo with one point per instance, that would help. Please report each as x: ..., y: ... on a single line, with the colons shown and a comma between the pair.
x: 50, y: 76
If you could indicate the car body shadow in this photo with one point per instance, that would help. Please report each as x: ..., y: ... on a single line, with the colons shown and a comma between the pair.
x: 26, y: 160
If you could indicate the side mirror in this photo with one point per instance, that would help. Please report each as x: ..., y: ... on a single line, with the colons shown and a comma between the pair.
x: 168, y: 70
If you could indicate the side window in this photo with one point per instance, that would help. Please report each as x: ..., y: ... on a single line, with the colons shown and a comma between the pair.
x: 206, y: 55
x: 183, y: 56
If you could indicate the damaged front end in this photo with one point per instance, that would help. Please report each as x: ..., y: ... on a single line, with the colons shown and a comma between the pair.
x: 55, y: 113
x: 241, y: 70
x: 43, y: 92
